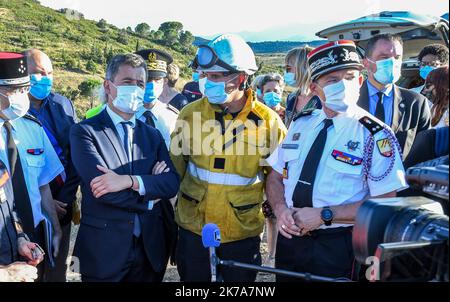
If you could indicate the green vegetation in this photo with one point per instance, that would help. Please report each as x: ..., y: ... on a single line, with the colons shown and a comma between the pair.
x: 80, y: 49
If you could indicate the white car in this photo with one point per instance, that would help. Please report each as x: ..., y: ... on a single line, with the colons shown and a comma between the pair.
x: 416, y: 30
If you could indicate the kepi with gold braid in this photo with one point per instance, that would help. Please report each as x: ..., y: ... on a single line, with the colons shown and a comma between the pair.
x: 157, y: 61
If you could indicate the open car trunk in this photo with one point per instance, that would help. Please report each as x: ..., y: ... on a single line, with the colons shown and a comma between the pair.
x: 416, y: 30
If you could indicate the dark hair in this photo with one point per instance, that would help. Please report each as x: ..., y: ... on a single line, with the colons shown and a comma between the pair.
x: 271, y: 77
x: 439, y: 78
x: 438, y: 50
x: 387, y: 37
x: 131, y: 59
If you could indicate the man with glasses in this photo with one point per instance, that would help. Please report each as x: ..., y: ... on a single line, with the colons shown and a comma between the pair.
x: 219, y: 149
x: 31, y: 164
x: 431, y: 57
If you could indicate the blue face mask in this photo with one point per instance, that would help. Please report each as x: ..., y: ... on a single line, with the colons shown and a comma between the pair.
x: 195, y: 76
x: 215, y: 91
x: 388, y: 71
x: 259, y: 92
x: 41, y: 86
x: 272, y: 99
x: 289, y: 79
x: 152, y: 92
x: 425, y: 71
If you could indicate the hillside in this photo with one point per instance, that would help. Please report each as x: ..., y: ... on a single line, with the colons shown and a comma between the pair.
x: 80, y: 48
x: 271, y: 47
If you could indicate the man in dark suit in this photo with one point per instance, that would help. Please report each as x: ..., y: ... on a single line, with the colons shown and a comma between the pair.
x: 56, y: 114
x: 406, y: 112
x: 125, y: 170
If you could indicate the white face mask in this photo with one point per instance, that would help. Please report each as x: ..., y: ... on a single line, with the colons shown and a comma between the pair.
x: 129, y: 98
x: 342, y: 95
x: 19, y: 103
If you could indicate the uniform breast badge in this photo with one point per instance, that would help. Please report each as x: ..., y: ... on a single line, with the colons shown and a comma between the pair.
x: 347, y: 158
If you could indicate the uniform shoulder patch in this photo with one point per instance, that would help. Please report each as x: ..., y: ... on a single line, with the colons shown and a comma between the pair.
x: 370, y: 124
x: 173, y: 109
x: 32, y: 118
x: 303, y: 113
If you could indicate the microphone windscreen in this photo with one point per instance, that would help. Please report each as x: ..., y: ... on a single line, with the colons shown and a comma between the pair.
x: 211, y: 235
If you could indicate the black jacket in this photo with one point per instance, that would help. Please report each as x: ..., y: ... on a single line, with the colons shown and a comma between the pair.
x: 411, y: 114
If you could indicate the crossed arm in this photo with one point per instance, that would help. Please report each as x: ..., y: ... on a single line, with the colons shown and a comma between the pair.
x: 120, y: 190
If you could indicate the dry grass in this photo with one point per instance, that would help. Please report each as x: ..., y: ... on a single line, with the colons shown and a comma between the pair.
x: 171, y: 272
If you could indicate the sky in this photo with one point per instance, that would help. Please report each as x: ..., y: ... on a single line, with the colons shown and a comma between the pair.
x: 255, y: 20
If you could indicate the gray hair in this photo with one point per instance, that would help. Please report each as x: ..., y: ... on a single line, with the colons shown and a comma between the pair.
x: 130, y: 59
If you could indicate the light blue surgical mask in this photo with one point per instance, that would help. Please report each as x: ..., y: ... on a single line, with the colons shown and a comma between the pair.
x: 388, y: 71
x: 289, y: 79
x: 129, y: 98
x: 195, y: 76
x: 425, y: 71
x: 41, y: 86
x: 18, y: 106
x: 272, y: 99
x: 152, y: 92
x: 259, y: 93
x: 215, y: 91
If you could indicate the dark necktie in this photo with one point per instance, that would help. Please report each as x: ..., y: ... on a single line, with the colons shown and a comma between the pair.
x: 149, y: 118
x: 127, y: 129
x: 379, y: 112
x: 21, y: 198
x: 303, y: 192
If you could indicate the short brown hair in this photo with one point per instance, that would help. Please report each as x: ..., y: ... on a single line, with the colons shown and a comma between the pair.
x: 387, y: 37
x: 173, y: 74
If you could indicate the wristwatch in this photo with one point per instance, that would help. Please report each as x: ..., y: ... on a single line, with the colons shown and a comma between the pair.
x: 327, y: 215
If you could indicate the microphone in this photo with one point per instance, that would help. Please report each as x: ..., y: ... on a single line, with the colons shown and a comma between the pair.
x: 211, y: 240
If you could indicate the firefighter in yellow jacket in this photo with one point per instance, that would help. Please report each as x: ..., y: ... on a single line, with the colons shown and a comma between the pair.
x: 219, y: 148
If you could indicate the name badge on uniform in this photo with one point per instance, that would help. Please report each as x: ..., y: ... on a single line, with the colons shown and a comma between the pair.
x: 384, y: 146
x: 347, y: 158
x: 35, y: 151
x: 290, y: 146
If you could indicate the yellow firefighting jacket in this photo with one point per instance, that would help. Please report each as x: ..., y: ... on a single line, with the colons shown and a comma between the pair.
x: 221, y: 161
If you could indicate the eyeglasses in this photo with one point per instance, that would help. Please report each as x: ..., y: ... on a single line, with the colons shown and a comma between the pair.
x: 431, y: 64
x: 206, y: 58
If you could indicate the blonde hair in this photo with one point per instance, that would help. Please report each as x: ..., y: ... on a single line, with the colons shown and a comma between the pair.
x: 299, y: 56
x: 173, y: 74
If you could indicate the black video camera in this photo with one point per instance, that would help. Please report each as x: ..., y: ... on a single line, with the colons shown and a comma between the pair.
x: 406, y: 239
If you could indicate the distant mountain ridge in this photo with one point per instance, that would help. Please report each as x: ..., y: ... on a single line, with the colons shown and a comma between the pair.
x: 270, y: 47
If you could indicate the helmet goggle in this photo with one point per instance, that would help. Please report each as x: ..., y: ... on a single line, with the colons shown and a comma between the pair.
x: 206, y: 58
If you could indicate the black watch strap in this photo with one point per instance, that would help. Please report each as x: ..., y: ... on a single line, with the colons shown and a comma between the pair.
x: 327, y: 222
